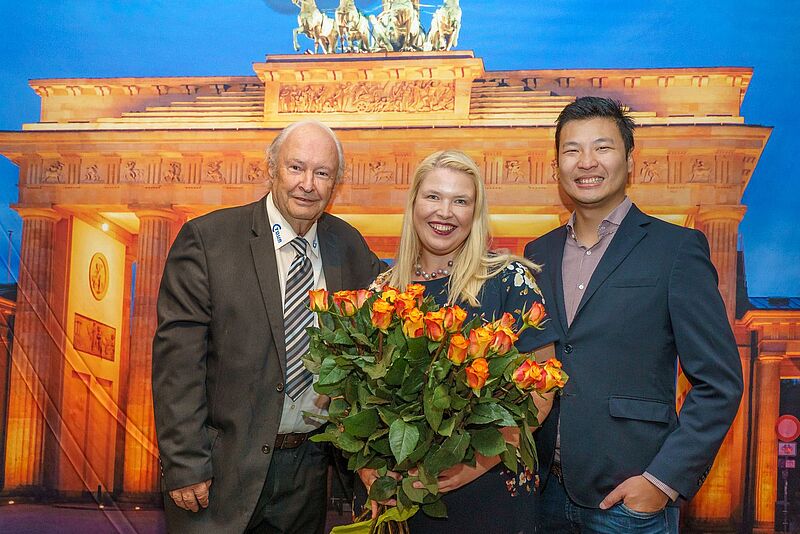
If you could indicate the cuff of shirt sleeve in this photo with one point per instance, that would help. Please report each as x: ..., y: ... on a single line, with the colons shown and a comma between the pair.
x: 669, y: 492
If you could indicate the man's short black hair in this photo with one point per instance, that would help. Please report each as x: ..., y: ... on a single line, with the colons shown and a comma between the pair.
x: 590, y: 107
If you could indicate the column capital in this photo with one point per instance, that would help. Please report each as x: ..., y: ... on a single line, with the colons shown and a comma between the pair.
x: 38, y: 212
x: 158, y: 212
x: 712, y: 213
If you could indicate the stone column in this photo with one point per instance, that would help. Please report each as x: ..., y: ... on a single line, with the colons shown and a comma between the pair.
x: 720, y: 224
x: 34, y: 350
x: 141, y: 452
x: 714, y: 507
x: 765, y: 484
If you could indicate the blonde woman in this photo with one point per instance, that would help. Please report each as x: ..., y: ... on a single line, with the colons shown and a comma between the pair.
x: 444, y: 245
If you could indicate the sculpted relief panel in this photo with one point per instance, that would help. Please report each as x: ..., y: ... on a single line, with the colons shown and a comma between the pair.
x: 420, y: 96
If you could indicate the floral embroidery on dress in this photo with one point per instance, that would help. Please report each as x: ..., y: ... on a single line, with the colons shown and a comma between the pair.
x: 524, y: 480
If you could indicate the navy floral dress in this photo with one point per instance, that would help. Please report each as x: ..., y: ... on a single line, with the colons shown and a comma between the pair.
x: 499, y: 501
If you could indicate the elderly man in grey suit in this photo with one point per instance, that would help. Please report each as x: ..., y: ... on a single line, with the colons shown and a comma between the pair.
x: 229, y: 388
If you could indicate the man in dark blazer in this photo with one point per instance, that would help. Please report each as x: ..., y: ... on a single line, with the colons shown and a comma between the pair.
x: 629, y: 296
x: 234, y: 445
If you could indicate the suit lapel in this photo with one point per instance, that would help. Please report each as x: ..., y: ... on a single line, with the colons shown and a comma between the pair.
x: 331, y: 255
x: 556, y: 280
x: 263, y: 249
x: 630, y: 232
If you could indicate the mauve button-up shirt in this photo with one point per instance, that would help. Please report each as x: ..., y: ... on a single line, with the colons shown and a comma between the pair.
x: 580, y: 262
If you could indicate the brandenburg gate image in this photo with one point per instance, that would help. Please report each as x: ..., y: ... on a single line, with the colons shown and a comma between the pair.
x: 114, y: 166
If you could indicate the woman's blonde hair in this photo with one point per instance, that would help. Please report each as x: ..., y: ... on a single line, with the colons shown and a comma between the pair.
x: 473, y: 263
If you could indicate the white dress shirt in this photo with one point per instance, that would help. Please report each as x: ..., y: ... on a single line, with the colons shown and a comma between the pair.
x: 292, y: 418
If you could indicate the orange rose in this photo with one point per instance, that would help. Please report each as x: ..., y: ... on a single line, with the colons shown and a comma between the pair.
x: 503, y: 340
x: 434, y: 328
x: 404, y: 303
x: 554, y: 376
x: 345, y: 301
x: 381, y: 314
x: 413, y: 324
x: 479, y: 340
x: 361, y: 297
x: 389, y: 294
x: 454, y: 318
x: 527, y: 374
x: 416, y: 291
x: 477, y: 373
x: 535, y: 316
x: 457, y: 351
x: 506, y: 321
x: 318, y: 300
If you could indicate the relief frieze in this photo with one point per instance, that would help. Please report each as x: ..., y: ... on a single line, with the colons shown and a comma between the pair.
x: 54, y: 173
x: 418, y: 96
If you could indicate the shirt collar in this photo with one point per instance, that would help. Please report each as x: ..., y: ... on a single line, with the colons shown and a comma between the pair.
x: 614, y: 218
x: 283, y: 233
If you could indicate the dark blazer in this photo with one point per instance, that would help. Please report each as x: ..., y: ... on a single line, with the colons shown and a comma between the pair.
x: 219, y: 355
x: 652, y: 298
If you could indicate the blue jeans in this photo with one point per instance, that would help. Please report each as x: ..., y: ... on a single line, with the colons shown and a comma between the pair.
x: 556, y: 513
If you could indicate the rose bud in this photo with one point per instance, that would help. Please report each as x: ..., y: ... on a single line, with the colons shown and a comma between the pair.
x: 413, y: 325
x: 404, y: 303
x: 479, y: 340
x: 457, y: 351
x: 535, y: 316
x: 434, y: 328
x: 503, y: 340
x: 416, y: 291
x: 361, y: 297
x: 318, y: 299
x: 345, y: 301
x: 389, y: 294
x: 527, y: 374
x: 381, y: 316
x: 477, y: 373
x: 454, y: 317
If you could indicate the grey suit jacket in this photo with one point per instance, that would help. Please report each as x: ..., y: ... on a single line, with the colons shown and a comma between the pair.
x: 652, y: 299
x: 219, y: 355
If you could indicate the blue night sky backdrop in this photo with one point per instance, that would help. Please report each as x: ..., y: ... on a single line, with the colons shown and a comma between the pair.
x: 104, y: 38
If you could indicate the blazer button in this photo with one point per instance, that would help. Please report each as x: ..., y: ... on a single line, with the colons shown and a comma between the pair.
x: 279, y: 387
x: 265, y: 449
x: 568, y: 348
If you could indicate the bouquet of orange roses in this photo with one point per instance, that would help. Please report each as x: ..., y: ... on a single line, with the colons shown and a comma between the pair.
x: 413, y: 386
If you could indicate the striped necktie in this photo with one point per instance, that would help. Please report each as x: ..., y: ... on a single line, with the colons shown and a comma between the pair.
x: 296, y: 318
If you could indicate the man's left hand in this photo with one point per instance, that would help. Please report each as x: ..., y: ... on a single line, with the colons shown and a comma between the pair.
x: 638, y: 494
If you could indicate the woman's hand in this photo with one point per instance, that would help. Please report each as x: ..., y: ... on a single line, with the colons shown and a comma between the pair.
x: 368, y: 477
x: 461, y: 474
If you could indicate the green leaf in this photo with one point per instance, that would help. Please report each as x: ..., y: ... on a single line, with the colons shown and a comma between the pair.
x: 418, y: 350
x: 415, y: 379
x: 509, y: 458
x: 488, y: 441
x: 440, y: 369
x: 377, y: 370
x: 341, y: 337
x: 361, y: 338
x: 362, y: 424
x: 430, y: 481
x: 415, y: 494
x: 447, y: 426
x: 383, y: 488
x: 441, y: 399
x: 449, y: 453
x: 330, y: 373
x: 435, y: 509
x: 498, y: 365
x: 433, y: 414
x: 338, y: 408
x: 403, y: 438
x: 348, y: 443
x: 394, y: 376
x: 490, y: 412
x: 457, y: 402
x: 381, y: 446
x: 387, y: 415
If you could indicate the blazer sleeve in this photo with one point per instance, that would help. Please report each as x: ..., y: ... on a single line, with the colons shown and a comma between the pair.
x: 710, y: 360
x: 179, y: 363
